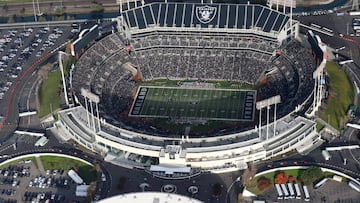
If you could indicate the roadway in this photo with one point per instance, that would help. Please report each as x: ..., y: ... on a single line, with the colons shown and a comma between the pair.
x: 26, y: 93
x: 340, y: 25
x: 22, y: 95
x: 133, y: 177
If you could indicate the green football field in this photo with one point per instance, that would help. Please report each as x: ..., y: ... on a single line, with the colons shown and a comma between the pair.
x: 178, y: 103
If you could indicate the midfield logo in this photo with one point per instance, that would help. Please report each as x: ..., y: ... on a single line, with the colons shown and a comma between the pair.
x: 205, y: 14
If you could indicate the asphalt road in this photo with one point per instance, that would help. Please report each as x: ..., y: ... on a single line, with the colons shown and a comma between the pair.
x: 22, y: 94
x: 340, y: 25
x: 205, y: 182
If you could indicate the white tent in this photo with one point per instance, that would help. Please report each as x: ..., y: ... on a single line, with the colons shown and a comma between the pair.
x: 75, y: 177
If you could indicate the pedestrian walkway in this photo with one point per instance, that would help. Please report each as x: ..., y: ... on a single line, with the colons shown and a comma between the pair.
x: 311, y: 148
x: 60, y: 133
x: 40, y: 165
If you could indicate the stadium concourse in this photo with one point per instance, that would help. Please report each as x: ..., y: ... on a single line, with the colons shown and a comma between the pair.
x: 203, y: 44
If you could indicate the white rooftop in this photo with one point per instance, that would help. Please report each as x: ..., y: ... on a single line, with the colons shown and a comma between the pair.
x: 149, y: 197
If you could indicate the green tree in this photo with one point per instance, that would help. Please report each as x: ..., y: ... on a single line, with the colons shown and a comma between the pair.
x: 263, y: 183
x: 310, y: 175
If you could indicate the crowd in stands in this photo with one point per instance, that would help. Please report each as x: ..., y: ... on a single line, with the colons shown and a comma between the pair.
x: 233, y: 42
x: 91, y: 60
x: 101, y: 69
x: 229, y: 57
x: 213, y: 64
x: 290, y: 76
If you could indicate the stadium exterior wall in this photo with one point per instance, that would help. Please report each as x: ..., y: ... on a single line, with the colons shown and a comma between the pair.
x: 300, y: 134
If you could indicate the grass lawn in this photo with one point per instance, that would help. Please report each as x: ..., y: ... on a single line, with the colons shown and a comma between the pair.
x: 340, y: 98
x: 86, y: 172
x: 49, y: 94
x: 16, y: 161
x: 319, y: 126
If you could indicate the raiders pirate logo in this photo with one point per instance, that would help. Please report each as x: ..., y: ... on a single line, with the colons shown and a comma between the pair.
x: 205, y: 14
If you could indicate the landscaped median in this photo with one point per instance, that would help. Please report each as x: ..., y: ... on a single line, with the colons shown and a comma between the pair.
x: 341, y: 96
x: 49, y: 93
x: 297, y: 174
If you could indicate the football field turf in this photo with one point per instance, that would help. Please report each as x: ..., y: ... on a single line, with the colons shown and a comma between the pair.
x: 178, y: 103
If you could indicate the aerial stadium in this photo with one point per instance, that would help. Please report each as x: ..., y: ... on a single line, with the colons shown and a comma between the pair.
x: 182, y: 88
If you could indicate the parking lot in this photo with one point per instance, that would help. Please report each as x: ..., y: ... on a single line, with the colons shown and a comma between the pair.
x: 332, y: 191
x: 23, y: 182
x: 21, y: 47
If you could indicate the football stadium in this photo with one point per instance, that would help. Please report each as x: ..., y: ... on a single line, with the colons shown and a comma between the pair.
x: 183, y: 88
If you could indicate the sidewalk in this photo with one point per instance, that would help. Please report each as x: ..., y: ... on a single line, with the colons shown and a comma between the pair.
x: 332, y: 129
x: 40, y: 165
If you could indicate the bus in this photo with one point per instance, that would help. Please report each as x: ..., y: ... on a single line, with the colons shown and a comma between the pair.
x: 278, y: 189
x: 326, y: 155
x: 320, y: 183
x: 356, y: 27
x: 357, y: 88
x: 315, y: 25
x: 306, y: 193
x: 291, y: 190
x: 41, y: 141
x: 298, y: 192
x: 354, y: 13
x: 327, y: 30
x: 354, y: 186
x: 284, y: 189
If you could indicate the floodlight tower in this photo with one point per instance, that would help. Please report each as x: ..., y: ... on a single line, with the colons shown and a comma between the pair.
x: 318, y: 76
x: 61, y: 53
x: 90, y: 98
x: 267, y: 104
